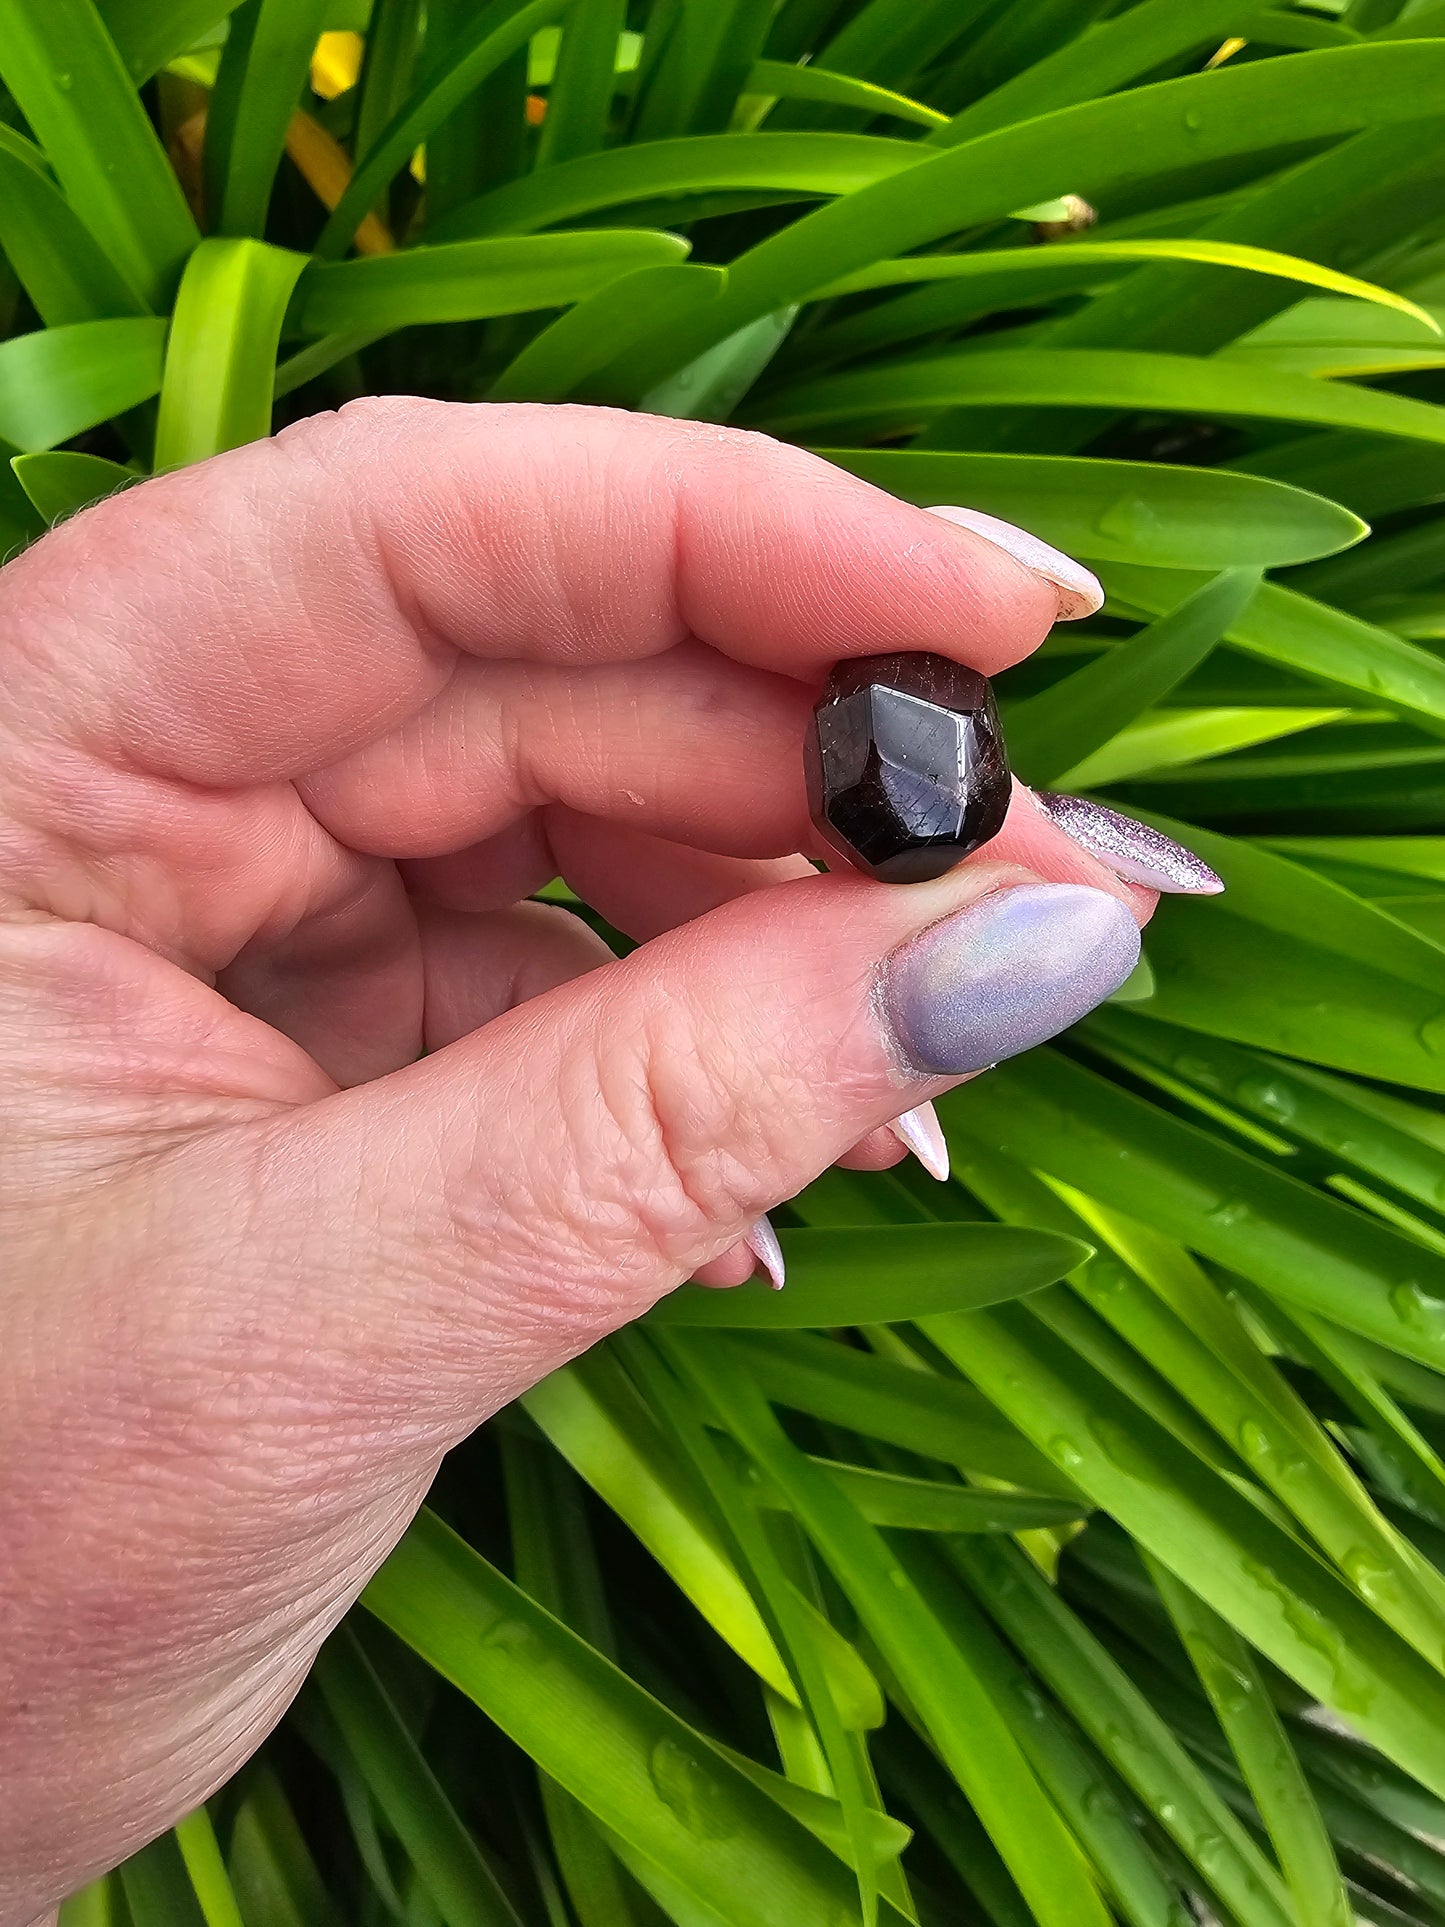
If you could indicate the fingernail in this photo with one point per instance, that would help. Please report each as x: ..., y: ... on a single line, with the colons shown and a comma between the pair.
x: 1131, y: 849
x: 999, y: 977
x: 762, y: 1242
x: 920, y: 1132
x: 1079, y: 592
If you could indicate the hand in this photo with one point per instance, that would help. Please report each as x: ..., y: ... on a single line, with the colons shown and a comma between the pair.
x: 288, y: 738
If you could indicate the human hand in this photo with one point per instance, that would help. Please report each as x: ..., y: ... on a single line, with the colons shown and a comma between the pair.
x: 288, y: 739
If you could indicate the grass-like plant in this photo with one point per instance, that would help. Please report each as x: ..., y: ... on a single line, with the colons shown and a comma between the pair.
x: 1123, y: 1596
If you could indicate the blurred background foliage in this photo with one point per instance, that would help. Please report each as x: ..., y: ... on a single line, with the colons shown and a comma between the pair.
x: 1066, y: 1544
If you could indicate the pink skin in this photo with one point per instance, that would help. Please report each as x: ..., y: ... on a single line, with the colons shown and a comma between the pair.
x: 285, y: 741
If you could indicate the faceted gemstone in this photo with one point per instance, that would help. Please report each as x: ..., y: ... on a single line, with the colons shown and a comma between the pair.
x: 905, y: 764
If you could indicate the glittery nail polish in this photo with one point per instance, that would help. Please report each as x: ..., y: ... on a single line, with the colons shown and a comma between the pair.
x: 1131, y: 849
x: 997, y: 978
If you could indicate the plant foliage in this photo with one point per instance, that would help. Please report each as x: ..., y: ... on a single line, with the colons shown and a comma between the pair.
x: 1068, y: 1545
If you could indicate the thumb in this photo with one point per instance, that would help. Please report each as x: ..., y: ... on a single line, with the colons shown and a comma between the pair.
x: 546, y: 1178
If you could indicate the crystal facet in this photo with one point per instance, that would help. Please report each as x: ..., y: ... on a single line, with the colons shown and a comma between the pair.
x: 905, y: 764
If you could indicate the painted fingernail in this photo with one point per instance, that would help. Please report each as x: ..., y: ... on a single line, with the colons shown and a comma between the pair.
x: 762, y: 1242
x: 999, y: 977
x: 1131, y: 849
x: 920, y: 1132
x: 1080, y: 593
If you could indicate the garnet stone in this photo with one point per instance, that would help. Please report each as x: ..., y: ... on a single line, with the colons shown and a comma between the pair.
x: 905, y: 764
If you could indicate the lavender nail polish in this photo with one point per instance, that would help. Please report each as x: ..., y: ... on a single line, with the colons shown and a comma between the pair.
x: 1131, y: 849
x: 1004, y: 974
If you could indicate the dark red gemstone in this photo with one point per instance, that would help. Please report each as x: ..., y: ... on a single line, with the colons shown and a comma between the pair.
x: 906, y: 769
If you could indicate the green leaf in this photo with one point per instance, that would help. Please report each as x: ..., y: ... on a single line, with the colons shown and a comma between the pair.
x: 640, y: 1769
x: 782, y: 80
x: 577, y: 350
x: 798, y: 164
x: 56, y: 259
x: 1256, y: 1576
x: 1100, y: 1813
x: 1309, y: 637
x: 866, y: 1276
x: 221, y: 358
x: 1051, y: 732
x: 895, y: 397
x: 930, y: 1416
x: 1268, y: 1762
x: 148, y: 33
x: 263, y: 68
x: 61, y: 381
x: 1294, y: 963
x: 1120, y: 511
x: 196, y: 1838
x: 1295, y: 1241
x: 846, y: 1771
x: 1045, y: 262
x: 497, y: 32
x: 963, y: 1723
x: 1336, y: 1114
x: 447, y: 1859
x: 1123, y: 49
x: 468, y: 280
x: 1125, y: 1728
x: 1089, y: 150
x: 95, y: 1905
x: 68, y: 80
x: 158, y: 1888
x: 60, y: 484
x: 711, y: 387
x: 273, y: 1876
x: 592, y: 1417
x: 1175, y: 736
x: 928, y: 1505
x: 579, y: 99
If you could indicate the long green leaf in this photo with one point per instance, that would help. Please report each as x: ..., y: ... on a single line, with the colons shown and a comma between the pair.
x: 1301, y: 634
x: 963, y: 1722
x: 1348, y: 984
x: 894, y: 397
x: 448, y: 1862
x: 68, y: 79
x: 498, y: 31
x: 469, y: 280
x: 869, y: 1277
x: 800, y: 164
x: 1120, y: 511
x: 589, y: 1414
x: 60, y: 484
x: 1121, y: 1723
x: 1051, y: 732
x: 781, y: 80
x: 58, y: 261
x: 266, y: 58
x: 61, y: 381
x: 883, y: 1400
x: 221, y: 357
x: 639, y: 1768
x: 1257, y: 1576
x: 1295, y: 1241
x: 1021, y: 262
x: 1260, y: 1744
x: 1088, y: 150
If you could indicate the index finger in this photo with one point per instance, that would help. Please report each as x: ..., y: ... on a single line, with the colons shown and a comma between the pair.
x: 259, y: 615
